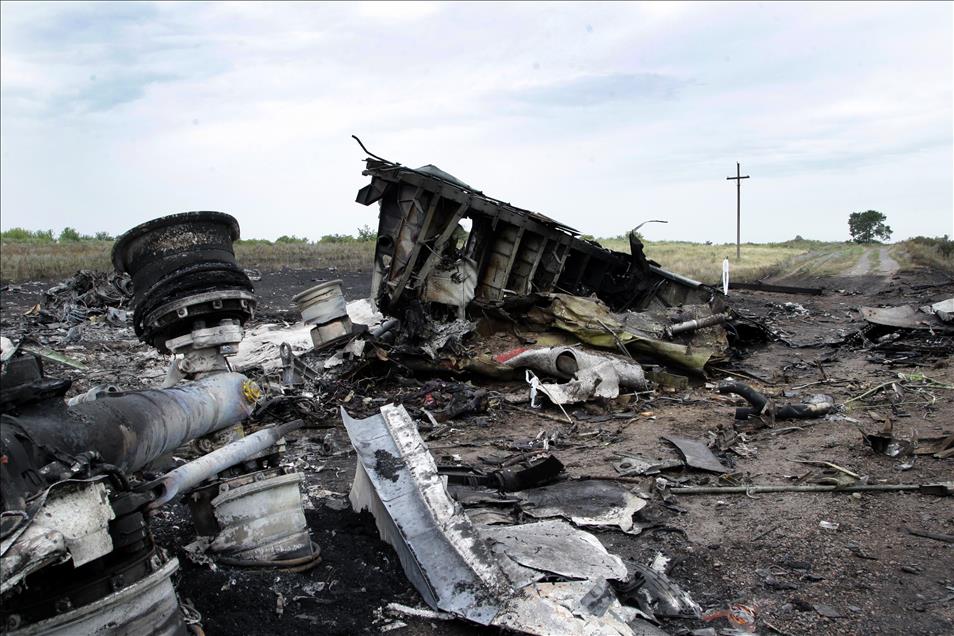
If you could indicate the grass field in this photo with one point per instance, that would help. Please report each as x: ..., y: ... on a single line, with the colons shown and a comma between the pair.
x: 704, y: 262
x: 25, y: 260
x: 33, y: 260
x: 927, y: 252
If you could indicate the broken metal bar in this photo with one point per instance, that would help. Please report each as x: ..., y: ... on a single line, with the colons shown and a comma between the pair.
x: 536, y: 264
x: 49, y: 354
x: 619, y: 343
x: 434, y: 257
x: 421, y: 237
x: 190, y: 475
x: 518, y: 239
x: 694, y: 325
x: 943, y: 489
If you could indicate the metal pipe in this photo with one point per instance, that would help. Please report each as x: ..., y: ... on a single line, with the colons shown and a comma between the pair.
x: 190, y: 475
x: 940, y: 489
x: 385, y: 327
x: 132, y: 429
x: 693, y: 325
x: 759, y: 402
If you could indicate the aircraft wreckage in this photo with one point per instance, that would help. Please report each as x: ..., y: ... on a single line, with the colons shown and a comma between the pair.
x: 81, y: 480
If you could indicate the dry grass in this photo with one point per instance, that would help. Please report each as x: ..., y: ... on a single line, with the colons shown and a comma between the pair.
x: 27, y: 260
x: 834, y: 259
x: 932, y: 253
x: 704, y: 262
x: 353, y: 256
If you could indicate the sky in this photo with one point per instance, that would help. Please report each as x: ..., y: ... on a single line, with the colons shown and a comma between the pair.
x: 598, y: 115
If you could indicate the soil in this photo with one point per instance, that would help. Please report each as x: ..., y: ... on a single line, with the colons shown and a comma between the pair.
x: 770, y: 552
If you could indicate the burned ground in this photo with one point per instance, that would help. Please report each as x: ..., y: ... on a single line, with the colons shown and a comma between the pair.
x: 860, y: 573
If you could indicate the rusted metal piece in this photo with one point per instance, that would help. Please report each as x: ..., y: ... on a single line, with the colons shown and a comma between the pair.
x: 694, y: 325
x: 424, y: 252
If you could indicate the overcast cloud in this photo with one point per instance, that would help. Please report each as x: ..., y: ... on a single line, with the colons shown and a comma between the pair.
x: 599, y: 115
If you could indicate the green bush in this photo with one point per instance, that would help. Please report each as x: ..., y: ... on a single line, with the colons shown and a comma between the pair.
x: 68, y: 235
x: 337, y: 238
x: 21, y: 234
x: 366, y: 233
x: 254, y: 242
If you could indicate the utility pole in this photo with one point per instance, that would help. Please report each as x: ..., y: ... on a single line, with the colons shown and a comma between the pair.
x: 738, y: 208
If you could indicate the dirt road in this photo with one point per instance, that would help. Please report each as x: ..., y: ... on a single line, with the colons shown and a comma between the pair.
x: 858, y: 268
x: 875, y: 260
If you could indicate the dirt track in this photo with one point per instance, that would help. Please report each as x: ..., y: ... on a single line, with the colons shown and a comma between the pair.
x: 886, y: 265
x: 766, y: 551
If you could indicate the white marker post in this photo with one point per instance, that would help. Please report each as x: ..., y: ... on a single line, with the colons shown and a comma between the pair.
x: 725, y: 276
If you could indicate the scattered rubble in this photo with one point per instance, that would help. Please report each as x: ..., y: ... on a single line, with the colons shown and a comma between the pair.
x: 523, y: 417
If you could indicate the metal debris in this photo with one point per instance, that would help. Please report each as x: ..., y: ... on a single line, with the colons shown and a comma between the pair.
x: 591, y: 375
x: 553, y: 547
x: 441, y: 550
x: 508, y: 250
x: 655, y: 593
x: 817, y: 406
x: 697, y: 454
x: 910, y: 317
x: 585, y: 503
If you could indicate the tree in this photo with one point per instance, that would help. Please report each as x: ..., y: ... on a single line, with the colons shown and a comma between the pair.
x: 366, y: 233
x: 69, y: 234
x: 866, y: 226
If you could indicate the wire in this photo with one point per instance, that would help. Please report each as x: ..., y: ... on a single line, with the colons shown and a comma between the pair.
x: 369, y: 153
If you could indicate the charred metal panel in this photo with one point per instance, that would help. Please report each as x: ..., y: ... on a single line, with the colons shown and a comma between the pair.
x: 516, y: 251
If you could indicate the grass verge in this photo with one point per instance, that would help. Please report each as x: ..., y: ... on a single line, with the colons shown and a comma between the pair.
x: 935, y: 253
x: 30, y: 260
x: 704, y: 262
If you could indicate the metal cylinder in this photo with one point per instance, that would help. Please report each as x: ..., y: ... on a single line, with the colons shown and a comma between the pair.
x: 322, y: 303
x: 324, y: 307
x: 149, y: 606
x: 261, y: 519
x: 183, y: 269
x: 130, y: 430
x: 189, y: 476
x: 330, y: 332
x: 695, y: 325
